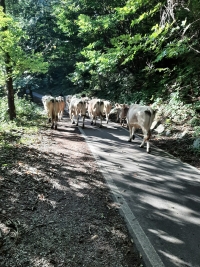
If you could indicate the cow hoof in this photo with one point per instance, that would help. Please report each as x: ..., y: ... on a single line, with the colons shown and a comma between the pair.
x: 100, y: 126
x: 56, y: 127
x: 83, y: 127
x: 129, y: 140
x: 52, y: 127
x: 49, y: 120
x: 133, y: 137
x: 73, y: 122
x: 91, y: 122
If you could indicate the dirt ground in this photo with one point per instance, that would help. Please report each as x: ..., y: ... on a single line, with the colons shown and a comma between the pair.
x: 55, y: 208
x: 180, y: 148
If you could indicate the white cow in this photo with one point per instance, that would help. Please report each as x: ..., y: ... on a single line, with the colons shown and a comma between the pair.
x: 67, y: 101
x: 51, y: 106
x: 96, y: 109
x: 122, y: 110
x: 107, y: 109
x: 61, y: 105
x: 77, y: 107
x: 44, y: 98
x: 140, y: 117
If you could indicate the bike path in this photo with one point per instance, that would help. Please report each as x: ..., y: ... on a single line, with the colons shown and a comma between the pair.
x: 158, y: 195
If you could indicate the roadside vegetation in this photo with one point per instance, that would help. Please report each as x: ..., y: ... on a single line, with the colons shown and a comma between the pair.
x: 28, y: 122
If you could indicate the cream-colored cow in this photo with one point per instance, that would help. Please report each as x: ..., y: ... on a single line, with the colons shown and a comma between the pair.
x: 96, y: 109
x: 140, y: 117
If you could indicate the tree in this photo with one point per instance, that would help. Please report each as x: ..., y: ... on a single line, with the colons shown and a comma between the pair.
x: 8, y: 70
x: 16, y: 60
x: 135, y: 50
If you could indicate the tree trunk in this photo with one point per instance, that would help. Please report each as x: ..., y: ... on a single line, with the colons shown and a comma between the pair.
x: 9, y: 87
x: 9, y: 80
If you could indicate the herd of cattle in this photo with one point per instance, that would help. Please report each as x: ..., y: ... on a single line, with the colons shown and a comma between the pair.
x: 136, y: 116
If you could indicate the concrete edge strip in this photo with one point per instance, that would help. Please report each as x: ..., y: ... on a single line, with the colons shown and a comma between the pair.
x: 136, y: 230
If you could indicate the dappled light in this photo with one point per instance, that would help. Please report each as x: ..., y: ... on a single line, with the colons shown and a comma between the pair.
x: 54, y: 201
x: 162, y: 192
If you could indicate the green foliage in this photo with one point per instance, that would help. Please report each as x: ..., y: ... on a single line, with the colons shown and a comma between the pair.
x: 197, y: 131
x: 175, y: 110
x: 11, y: 36
x: 30, y: 119
x: 27, y: 111
x: 129, y: 51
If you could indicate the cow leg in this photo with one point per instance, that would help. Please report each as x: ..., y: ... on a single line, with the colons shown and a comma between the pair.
x: 83, y: 122
x: 142, y: 144
x: 131, y: 132
x: 61, y: 115
x: 52, y: 124
x: 100, y: 125
x: 77, y: 120
x: 148, y: 146
x: 56, y: 122
x: 71, y: 117
x: 145, y: 139
x: 107, y: 118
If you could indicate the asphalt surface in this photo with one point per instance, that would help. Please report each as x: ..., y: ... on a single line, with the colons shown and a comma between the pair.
x: 158, y: 195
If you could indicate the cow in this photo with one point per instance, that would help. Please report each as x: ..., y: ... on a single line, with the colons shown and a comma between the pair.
x: 51, y: 105
x: 96, y: 109
x: 77, y: 108
x: 122, y: 110
x: 119, y: 113
x: 67, y: 102
x: 61, y: 106
x: 44, y: 98
x: 107, y: 109
x: 140, y: 117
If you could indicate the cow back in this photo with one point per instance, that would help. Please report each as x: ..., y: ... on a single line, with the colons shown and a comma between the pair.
x: 78, y: 105
x: 96, y: 107
x: 141, y: 116
x: 107, y: 107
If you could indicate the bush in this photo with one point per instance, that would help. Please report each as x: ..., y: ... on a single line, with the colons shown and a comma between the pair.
x: 27, y: 113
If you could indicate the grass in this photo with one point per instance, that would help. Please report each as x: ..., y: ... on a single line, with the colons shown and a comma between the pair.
x: 21, y: 130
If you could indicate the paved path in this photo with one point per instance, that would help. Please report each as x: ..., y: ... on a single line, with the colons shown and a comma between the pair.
x: 158, y: 195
